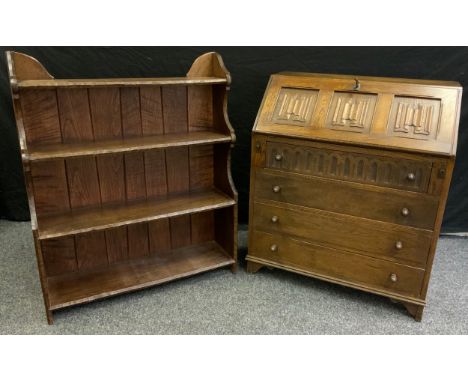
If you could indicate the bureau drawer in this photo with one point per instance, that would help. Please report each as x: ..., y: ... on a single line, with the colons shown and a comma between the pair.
x: 400, y: 173
x: 326, y: 262
x: 393, y: 206
x: 373, y: 238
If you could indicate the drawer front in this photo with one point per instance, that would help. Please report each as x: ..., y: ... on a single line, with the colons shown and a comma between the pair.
x: 393, y: 206
x: 373, y: 238
x: 400, y: 173
x: 365, y: 271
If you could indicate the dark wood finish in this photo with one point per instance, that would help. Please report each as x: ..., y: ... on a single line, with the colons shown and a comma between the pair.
x: 439, y: 137
x: 329, y: 262
x: 393, y: 242
x: 400, y: 173
x: 349, y: 180
x: 47, y: 152
x: 80, y: 287
x: 414, y: 309
x: 59, y: 255
x: 75, y: 116
x: 126, y: 178
x: 50, y: 187
x: 117, y: 244
x: 40, y: 117
x: 119, y: 82
x: 110, y: 216
x: 380, y: 204
x: 91, y: 250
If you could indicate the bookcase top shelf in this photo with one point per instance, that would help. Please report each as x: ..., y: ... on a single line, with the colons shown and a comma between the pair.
x: 124, y: 145
x: 118, y: 82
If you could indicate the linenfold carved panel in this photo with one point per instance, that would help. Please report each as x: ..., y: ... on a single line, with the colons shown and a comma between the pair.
x: 351, y: 112
x: 295, y: 106
x: 353, y: 167
x: 413, y: 117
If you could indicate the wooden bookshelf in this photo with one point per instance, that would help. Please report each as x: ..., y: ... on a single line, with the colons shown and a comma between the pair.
x: 86, y: 286
x: 119, y: 82
x: 126, y: 145
x: 128, y: 180
x: 116, y: 215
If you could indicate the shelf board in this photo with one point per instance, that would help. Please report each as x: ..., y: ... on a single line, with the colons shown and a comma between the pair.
x: 84, y: 286
x: 77, y: 83
x: 70, y: 150
x: 110, y: 216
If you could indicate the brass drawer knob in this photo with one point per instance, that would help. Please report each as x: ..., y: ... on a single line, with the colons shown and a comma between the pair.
x: 393, y: 277
x: 411, y: 176
x: 274, y: 248
x: 278, y: 157
x: 405, y: 211
x: 276, y: 189
x: 274, y: 219
x: 398, y: 245
x: 258, y: 145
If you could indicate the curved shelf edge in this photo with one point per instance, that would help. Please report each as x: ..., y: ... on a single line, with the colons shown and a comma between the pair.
x: 111, y: 216
x: 126, y: 145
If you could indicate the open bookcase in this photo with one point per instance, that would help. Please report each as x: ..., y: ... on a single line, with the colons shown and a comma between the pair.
x: 128, y: 180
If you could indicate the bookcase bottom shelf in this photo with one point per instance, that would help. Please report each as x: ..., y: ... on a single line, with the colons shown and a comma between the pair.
x: 85, y: 286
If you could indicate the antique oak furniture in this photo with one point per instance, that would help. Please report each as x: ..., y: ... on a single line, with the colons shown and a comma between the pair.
x: 349, y: 180
x: 128, y: 180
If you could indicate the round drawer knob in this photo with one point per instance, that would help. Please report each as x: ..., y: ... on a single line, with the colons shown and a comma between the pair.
x: 398, y: 245
x: 274, y: 219
x: 274, y: 248
x: 278, y: 157
x: 257, y: 145
x: 276, y: 189
x: 393, y: 277
x: 405, y: 211
x: 411, y: 176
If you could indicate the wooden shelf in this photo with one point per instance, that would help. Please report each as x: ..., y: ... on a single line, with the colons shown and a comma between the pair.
x: 110, y: 216
x: 70, y: 150
x: 120, y: 82
x: 148, y: 155
x: 84, y: 286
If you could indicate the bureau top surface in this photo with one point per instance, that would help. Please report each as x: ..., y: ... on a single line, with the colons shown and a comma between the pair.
x: 393, y: 113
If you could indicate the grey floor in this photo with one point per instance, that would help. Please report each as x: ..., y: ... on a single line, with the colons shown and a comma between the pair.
x: 219, y: 302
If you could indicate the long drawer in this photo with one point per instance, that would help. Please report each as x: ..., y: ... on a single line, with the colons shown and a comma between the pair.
x: 401, y: 173
x: 322, y: 261
x: 393, y: 206
x: 377, y: 239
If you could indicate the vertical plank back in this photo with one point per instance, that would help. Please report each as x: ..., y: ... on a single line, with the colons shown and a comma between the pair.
x: 138, y: 240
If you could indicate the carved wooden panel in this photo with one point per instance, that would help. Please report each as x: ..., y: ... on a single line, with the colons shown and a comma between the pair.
x: 354, y: 167
x: 351, y: 112
x: 295, y: 106
x: 413, y: 117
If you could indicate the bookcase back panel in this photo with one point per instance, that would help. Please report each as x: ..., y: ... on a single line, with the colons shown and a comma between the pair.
x: 200, y: 108
x: 50, y: 186
x: 79, y: 115
x: 102, y: 248
x: 75, y: 116
x: 76, y: 183
x: 40, y: 116
x: 70, y: 115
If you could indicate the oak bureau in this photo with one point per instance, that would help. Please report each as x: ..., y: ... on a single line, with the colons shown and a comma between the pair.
x: 349, y: 180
